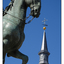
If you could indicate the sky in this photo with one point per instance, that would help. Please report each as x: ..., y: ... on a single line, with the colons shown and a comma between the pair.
x: 51, y: 10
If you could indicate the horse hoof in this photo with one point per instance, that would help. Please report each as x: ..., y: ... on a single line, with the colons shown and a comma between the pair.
x: 23, y: 63
x: 25, y: 60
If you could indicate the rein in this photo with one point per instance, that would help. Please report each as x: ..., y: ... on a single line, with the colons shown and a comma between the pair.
x: 24, y: 18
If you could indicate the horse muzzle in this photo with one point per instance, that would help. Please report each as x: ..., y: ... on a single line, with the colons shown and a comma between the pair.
x: 35, y: 13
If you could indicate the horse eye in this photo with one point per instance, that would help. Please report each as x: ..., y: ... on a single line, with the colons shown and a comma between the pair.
x: 36, y: 10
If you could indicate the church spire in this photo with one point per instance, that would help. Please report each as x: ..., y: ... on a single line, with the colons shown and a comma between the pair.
x: 44, y: 43
x: 44, y: 50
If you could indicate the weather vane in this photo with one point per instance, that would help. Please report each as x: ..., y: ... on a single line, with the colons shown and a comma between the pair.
x: 44, y: 23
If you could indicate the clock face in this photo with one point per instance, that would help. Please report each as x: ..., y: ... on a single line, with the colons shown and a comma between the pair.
x: 41, y: 57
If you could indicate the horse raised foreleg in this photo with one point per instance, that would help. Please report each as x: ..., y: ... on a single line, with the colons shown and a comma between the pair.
x: 19, y: 55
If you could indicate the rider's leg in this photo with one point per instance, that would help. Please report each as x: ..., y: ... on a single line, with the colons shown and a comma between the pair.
x: 19, y: 55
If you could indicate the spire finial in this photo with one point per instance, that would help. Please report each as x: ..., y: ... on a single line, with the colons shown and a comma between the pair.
x: 44, y: 24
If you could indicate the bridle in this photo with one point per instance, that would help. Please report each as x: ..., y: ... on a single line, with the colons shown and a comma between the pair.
x: 24, y: 18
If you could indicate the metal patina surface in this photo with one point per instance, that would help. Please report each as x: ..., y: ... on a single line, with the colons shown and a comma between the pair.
x: 13, y: 26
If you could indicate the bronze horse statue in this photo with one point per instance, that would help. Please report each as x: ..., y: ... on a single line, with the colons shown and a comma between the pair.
x: 13, y: 26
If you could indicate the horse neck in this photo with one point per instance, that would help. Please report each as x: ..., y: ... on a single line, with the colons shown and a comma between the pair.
x: 18, y: 10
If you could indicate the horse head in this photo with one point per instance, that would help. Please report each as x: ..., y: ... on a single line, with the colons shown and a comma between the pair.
x: 35, y: 8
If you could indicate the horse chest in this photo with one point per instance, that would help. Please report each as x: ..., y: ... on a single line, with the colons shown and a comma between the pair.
x: 14, y: 33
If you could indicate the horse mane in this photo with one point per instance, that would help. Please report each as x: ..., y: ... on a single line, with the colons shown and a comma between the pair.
x: 8, y: 7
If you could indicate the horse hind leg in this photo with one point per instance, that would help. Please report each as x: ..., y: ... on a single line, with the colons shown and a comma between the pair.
x: 4, y: 54
x: 4, y: 50
x: 18, y: 55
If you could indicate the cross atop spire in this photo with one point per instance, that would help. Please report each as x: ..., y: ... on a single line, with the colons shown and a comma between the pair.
x: 44, y: 20
x: 44, y: 24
